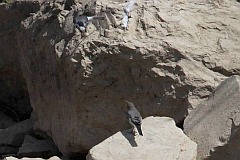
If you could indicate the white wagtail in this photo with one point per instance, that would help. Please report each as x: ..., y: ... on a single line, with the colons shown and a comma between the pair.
x: 82, y: 21
x: 134, y: 118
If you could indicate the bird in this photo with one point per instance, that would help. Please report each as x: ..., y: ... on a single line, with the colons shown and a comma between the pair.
x: 82, y: 21
x: 134, y: 118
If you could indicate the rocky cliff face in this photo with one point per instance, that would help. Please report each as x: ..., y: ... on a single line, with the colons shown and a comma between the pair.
x: 171, y: 57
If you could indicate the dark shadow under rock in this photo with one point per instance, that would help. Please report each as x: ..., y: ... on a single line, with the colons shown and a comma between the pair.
x: 12, y: 137
x: 33, y: 147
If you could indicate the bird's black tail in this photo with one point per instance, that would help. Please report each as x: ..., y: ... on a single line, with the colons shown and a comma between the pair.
x: 139, y: 129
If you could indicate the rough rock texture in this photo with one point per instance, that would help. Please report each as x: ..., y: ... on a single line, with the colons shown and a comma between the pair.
x: 33, y: 147
x: 13, y: 158
x: 161, y: 140
x: 214, y: 125
x: 13, y: 89
x: 12, y: 137
x: 170, y: 59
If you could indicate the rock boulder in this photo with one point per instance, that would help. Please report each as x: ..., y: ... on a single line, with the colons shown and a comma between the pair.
x: 161, y: 140
x: 214, y: 124
x: 33, y: 147
x: 12, y: 137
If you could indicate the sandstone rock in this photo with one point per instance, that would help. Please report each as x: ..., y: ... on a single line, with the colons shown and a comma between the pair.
x: 12, y: 137
x: 172, y: 56
x: 13, y: 158
x: 161, y: 140
x: 214, y: 124
x: 33, y: 147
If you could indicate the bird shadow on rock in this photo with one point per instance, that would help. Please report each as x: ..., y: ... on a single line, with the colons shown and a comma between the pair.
x: 130, y: 137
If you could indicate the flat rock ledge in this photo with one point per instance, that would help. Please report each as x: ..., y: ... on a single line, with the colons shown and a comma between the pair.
x: 161, y: 140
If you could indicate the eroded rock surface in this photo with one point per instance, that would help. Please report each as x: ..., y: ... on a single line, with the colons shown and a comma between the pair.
x: 172, y: 56
x: 214, y: 125
x: 161, y: 140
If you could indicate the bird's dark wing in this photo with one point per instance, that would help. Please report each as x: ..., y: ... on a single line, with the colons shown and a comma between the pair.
x: 136, y: 120
x: 135, y: 117
x: 80, y: 23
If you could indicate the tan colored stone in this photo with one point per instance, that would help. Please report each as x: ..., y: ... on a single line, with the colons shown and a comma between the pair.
x: 159, y: 64
x: 161, y: 140
x: 214, y: 124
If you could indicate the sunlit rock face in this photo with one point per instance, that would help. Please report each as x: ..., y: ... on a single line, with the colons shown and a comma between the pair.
x: 171, y: 57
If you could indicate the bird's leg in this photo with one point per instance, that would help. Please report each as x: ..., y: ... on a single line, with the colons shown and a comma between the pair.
x: 134, y: 131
